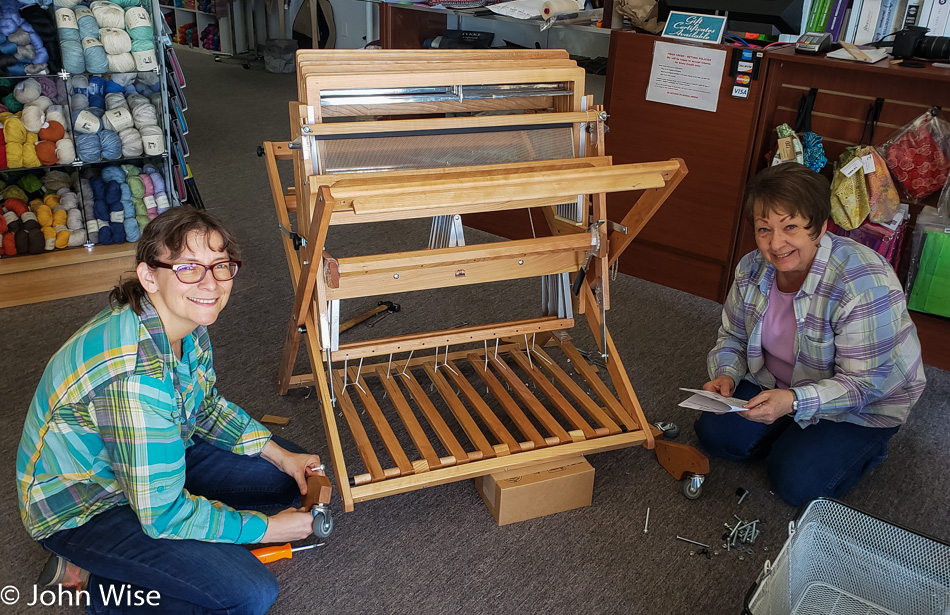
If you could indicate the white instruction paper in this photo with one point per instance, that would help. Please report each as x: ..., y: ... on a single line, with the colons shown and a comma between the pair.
x: 707, y: 401
x: 686, y: 76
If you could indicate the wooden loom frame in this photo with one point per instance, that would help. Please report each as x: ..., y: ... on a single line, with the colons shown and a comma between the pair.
x: 325, y: 200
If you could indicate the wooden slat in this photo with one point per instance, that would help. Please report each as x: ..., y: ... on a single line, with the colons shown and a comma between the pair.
x: 585, y: 370
x: 488, y: 417
x: 449, y: 337
x: 373, y: 129
x: 462, y: 266
x: 458, y: 409
x: 551, y: 392
x: 429, y: 193
x: 595, y: 411
x: 438, y: 424
x: 409, y: 419
x: 534, y: 405
x: 383, y: 428
x: 370, y: 460
x: 489, y: 466
x: 507, y: 403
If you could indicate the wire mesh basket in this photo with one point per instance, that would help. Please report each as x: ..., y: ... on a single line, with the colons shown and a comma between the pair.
x: 840, y: 561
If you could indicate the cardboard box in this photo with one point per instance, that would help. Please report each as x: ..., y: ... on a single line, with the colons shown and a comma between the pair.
x: 536, y: 491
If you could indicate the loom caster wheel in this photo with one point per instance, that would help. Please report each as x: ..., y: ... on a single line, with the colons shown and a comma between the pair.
x: 246, y: 66
x: 322, y: 521
x: 260, y: 151
x: 693, y: 486
x: 670, y: 430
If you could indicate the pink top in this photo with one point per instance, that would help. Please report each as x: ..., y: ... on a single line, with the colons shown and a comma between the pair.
x: 778, y: 336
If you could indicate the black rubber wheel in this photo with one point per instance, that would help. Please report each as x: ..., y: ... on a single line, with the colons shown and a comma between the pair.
x: 247, y: 66
x: 689, y: 492
x: 670, y: 430
x: 322, y: 524
x: 260, y: 151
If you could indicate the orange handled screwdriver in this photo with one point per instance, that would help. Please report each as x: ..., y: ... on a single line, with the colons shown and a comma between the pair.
x: 272, y: 554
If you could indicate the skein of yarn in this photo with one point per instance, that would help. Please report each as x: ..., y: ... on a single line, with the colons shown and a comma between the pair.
x: 153, y: 140
x: 97, y: 61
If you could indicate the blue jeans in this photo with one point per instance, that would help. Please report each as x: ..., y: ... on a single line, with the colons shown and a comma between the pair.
x: 826, y: 459
x: 190, y: 576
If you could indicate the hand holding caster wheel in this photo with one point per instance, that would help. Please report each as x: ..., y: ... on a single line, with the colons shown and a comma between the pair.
x: 318, y: 495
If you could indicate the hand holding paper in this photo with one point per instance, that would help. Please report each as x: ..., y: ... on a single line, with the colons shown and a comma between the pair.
x: 707, y: 401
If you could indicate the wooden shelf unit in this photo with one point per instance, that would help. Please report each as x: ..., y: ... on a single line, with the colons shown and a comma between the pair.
x: 63, y: 273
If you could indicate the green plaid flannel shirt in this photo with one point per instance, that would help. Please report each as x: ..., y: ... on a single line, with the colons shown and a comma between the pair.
x: 110, y: 422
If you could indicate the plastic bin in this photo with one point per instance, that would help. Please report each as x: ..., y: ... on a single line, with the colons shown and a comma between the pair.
x: 279, y: 55
x: 840, y: 561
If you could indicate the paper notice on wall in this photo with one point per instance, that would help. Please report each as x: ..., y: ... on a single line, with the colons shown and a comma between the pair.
x: 686, y: 76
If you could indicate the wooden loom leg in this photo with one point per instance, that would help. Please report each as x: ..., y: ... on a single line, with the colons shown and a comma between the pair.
x: 329, y: 420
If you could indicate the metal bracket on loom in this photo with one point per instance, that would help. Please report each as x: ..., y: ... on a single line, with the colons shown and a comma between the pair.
x: 446, y: 232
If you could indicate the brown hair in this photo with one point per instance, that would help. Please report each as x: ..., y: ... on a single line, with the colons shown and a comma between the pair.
x: 167, y: 236
x: 792, y: 189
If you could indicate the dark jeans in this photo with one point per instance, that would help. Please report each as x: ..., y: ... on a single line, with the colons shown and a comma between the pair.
x: 826, y: 459
x: 191, y: 576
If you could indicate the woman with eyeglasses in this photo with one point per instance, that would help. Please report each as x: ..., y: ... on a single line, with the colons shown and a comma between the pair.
x: 140, y: 478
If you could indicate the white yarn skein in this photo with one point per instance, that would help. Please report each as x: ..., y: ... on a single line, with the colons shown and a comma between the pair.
x: 121, y: 62
x: 132, y: 145
x: 152, y: 140
x: 107, y: 14
x: 32, y: 118
x: 56, y: 113
x: 114, y: 100
x: 115, y: 40
x: 43, y: 103
x: 123, y: 79
x: 65, y: 151
x: 73, y: 219
x: 27, y: 91
x: 67, y: 4
x: 117, y: 120
x: 144, y: 115
x: 70, y: 201
x: 77, y: 238
x: 87, y: 123
x: 78, y: 101
x: 145, y: 60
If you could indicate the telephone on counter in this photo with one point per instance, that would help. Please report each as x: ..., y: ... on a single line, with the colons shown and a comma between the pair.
x: 813, y: 43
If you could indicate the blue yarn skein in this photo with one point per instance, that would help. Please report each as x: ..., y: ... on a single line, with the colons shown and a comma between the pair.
x: 88, y: 26
x: 113, y: 173
x: 8, y: 48
x: 132, y: 232
x: 110, y: 144
x: 118, y: 231
x: 127, y: 203
x: 74, y: 61
x: 88, y: 147
x: 95, y: 55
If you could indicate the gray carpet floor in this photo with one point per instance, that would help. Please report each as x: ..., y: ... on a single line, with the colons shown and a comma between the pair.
x: 438, y: 550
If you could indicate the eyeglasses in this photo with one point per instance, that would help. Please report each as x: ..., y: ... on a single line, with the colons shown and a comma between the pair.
x: 192, y: 273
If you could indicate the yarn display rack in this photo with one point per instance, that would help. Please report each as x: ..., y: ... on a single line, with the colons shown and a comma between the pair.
x: 47, y: 210
x: 87, y: 158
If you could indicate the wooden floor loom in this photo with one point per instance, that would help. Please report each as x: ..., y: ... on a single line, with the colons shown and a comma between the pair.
x: 525, y: 111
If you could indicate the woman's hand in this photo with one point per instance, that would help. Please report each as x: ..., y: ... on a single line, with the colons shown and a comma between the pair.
x: 769, y: 406
x: 288, y: 525
x: 724, y: 385
x: 298, y: 465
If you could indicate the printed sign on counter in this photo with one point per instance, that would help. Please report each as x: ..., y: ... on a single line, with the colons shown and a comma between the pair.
x: 686, y: 76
